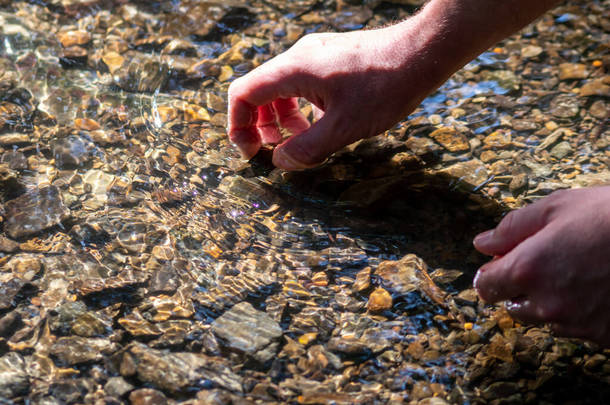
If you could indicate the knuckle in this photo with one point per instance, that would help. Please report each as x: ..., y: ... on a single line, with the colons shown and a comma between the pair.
x: 523, y: 271
x: 550, y: 311
x: 506, y: 225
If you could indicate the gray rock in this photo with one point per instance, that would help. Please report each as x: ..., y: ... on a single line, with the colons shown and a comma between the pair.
x: 175, y: 372
x: 8, y: 292
x: 561, y: 150
x: 71, y: 151
x: 117, y: 386
x: 35, y: 211
x: 13, y: 378
x: 246, y: 330
x: 75, y: 350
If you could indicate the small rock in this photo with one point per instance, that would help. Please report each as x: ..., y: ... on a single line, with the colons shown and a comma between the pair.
x: 531, y: 51
x: 569, y: 71
x: 248, y: 331
x: 518, y: 183
x: 379, y: 300
x: 561, y: 150
x: 176, y: 372
x: 147, y: 396
x: 15, y: 139
x: 468, y: 175
x: 71, y: 38
x: 595, y: 88
x: 117, y: 386
x: 497, y: 139
x: 7, y: 245
x: 595, y: 361
x: 451, y: 139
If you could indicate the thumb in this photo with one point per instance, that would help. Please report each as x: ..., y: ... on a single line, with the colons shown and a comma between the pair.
x: 311, y: 147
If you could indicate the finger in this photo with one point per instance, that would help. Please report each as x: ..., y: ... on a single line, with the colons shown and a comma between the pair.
x: 290, y: 116
x: 267, y: 125
x: 515, y: 274
x: 576, y: 331
x: 312, y: 147
x: 247, y: 140
x: 512, y: 230
x: 523, y: 310
x: 259, y: 87
x: 535, y: 309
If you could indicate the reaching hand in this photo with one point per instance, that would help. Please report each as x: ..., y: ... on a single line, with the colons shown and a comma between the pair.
x: 553, y: 263
x: 354, y: 80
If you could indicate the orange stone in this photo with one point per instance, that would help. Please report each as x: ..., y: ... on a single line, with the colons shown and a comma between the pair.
x: 379, y: 300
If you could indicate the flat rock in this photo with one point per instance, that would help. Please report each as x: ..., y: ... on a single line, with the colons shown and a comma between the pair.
x: 451, y: 139
x: 175, y: 372
x: 76, y: 350
x: 409, y: 274
x: 570, y: 71
x: 13, y: 377
x: 246, y: 330
x: 34, y: 212
x: 466, y: 175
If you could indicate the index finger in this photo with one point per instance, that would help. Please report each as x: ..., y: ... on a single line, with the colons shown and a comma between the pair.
x: 261, y: 86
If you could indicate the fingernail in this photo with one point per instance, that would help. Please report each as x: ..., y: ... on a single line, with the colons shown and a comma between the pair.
x: 283, y: 160
x: 483, y: 238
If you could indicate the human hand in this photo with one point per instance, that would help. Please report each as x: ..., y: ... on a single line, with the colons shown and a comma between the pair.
x: 553, y: 263
x: 356, y: 81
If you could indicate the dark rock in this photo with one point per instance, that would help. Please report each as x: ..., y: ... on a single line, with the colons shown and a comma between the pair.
x: 9, y: 324
x: 71, y: 151
x: 8, y: 292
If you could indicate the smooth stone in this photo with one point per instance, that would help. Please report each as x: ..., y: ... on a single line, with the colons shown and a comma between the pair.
x: 117, y: 386
x: 246, y: 330
x: 561, y: 150
x: 76, y: 350
x: 14, y: 139
x: 531, y: 51
x: 571, y: 71
x: 34, y: 212
x: 468, y: 175
x: 379, y: 300
x: 147, y: 396
x: 565, y: 106
x: 71, y: 151
x: 71, y: 38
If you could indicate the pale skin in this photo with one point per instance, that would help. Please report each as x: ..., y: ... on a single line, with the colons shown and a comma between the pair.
x: 552, y: 259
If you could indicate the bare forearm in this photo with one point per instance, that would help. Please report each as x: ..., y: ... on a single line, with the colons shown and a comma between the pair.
x: 447, y: 34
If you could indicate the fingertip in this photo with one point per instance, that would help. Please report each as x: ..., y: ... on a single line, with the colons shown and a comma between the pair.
x: 284, y: 160
x: 483, y: 240
x: 247, y: 141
